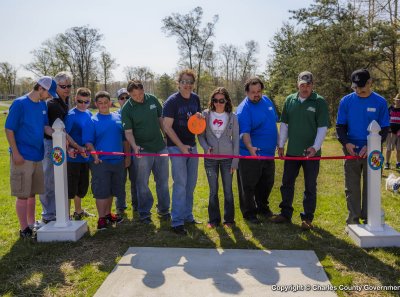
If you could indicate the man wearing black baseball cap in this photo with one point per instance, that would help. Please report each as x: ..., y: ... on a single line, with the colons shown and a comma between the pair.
x: 356, y: 111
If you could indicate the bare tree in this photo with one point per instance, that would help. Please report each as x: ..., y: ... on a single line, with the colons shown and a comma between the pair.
x: 8, y: 77
x: 144, y: 74
x: 248, y: 60
x: 77, y: 47
x: 107, y: 64
x: 193, y: 42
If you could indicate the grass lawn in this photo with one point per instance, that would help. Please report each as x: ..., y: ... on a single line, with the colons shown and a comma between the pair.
x: 78, y: 269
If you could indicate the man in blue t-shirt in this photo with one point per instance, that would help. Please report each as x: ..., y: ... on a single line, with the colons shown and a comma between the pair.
x: 25, y: 125
x: 176, y: 112
x: 356, y: 111
x: 105, y: 134
x: 258, y: 137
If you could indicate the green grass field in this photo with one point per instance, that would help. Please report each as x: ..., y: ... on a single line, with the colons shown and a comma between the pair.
x: 77, y: 269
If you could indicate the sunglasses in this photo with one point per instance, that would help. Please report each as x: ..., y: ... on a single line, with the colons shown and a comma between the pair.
x: 65, y: 86
x: 187, y: 82
x: 123, y: 98
x: 83, y: 101
x: 220, y: 101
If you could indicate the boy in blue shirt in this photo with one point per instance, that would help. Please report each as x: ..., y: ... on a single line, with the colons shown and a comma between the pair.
x: 105, y: 133
x: 25, y: 125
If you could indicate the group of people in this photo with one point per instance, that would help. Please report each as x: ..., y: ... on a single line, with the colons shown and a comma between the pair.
x: 146, y: 132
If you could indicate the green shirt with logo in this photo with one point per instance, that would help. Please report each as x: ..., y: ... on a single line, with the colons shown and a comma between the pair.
x: 143, y: 120
x: 303, y: 120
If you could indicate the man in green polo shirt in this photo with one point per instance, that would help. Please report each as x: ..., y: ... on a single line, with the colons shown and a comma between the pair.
x: 304, y: 122
x: 142, y: 122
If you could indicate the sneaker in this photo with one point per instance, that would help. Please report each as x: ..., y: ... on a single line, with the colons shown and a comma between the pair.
x: 229, y: 225
x: 164, y: 217
x: 112, y: 218
x: 306, y: 225
x: 212, y: 225
x: 387, y: 166
x: 26, y: 233
x: 102, y: 224
x: 86, y: 214
x: 398, y: 165
x: 48, y: 221
x: 266, y: 213
x: 278, y: 219
x: 77, y: 216
x: 194, y: 222
x: 180, y: 230
x: 146, y: 221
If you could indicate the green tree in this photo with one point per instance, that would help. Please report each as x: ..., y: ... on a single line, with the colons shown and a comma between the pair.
x: 165, y: 86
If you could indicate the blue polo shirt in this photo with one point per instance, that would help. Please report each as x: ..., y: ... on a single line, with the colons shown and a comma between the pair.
x: 75, y: 123
x: 27, y: 119
x: 357, y: 113
x: 259, y: 120
x: 105, y: 132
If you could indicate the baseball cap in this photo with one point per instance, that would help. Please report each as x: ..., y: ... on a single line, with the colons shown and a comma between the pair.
x: 305, y: 77
x: 49, y: 84
x: 121, y: 91
x: 359, y: 78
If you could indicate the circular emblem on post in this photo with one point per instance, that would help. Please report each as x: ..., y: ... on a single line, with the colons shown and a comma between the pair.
x: 57, y: 156
x: 375, y: 160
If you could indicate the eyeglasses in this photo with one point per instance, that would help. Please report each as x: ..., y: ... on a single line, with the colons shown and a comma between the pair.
x: 187, y: 82
x: 123, y: 98
x: 84, y: 94
x: 83, y: 101
x: 65, y: 86
x: 220, y: 101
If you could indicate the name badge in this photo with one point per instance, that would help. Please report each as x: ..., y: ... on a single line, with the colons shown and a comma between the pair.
x: 371, y: 109
x: 270, y: 108
x: 310, y: 108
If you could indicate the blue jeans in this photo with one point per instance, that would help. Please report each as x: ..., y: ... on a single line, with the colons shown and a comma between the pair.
x: 120, y: 201
x: 160, y: 168
x: 48, y: 199
x: 184, y: 174
x: 213, y: 167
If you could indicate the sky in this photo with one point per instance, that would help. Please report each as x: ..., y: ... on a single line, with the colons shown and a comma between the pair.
x: 132, y: 29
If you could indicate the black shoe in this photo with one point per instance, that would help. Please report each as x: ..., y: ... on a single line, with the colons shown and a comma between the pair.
x: 146, y: 221
x: 180, y: 230
x: 266, y: 213
x: 253, y: 220
x: 194, y: 222
x: 164, y: 217
x: 26, y: 233
x: 48, y: 221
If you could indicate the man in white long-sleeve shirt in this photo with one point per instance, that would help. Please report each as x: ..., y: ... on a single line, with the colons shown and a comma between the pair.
x: 304, y: 123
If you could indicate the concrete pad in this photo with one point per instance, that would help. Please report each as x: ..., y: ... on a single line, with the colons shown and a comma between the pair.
x: 366, y: 238
x: 72, y: 232
x: 147, y: 271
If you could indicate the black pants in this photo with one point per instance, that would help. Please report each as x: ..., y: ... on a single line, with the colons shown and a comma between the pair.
x: 290, y: 173
x: 255, y: 182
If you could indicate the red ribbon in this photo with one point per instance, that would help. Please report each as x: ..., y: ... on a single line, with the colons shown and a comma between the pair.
x: 226, y: 156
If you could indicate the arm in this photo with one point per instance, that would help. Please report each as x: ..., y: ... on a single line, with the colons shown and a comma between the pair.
x: 90, y: 147
x: 127, y: 150
x: 247, y: 142
x: 131, y: 140
x: 16, y: 156
x: 172, y: 135
x: 319, y: 138
x: 235, y: 140
x: 283, y: 136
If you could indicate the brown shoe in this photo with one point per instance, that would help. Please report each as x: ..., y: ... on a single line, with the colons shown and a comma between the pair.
x: 279, y: 219
x: 306, y: 225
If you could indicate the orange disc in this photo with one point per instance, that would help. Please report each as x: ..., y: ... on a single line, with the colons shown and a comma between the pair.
x: 196, y: 125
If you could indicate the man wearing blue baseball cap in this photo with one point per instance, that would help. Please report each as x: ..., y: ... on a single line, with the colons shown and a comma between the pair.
x: 25, y: 125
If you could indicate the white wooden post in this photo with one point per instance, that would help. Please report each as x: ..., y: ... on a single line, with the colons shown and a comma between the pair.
x: 60, y: 176
x: 374, y: 234
x: 62, y: 229
x: 374, y: 180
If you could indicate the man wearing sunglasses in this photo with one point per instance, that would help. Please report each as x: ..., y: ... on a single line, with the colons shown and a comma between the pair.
x: 76, y: 121
x: 304, y: 123
x: 57, y: 108
x: 120, y: 201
